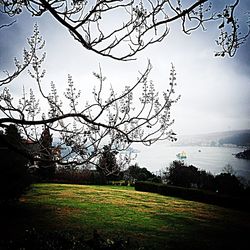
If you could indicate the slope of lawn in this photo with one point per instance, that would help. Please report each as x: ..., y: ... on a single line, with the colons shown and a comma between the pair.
x: 154, y: 221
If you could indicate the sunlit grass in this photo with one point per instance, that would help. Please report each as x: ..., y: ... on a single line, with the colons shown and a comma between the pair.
x: 156, y: 221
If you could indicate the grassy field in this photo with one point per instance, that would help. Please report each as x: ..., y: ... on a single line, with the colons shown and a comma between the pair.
x: 155, y: 221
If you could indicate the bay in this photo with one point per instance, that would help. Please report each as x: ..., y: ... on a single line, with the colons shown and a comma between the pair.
x: 212, y: 159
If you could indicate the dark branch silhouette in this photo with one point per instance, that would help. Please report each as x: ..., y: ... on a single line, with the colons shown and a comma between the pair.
x: 141, y: 22
x: 138, y: 114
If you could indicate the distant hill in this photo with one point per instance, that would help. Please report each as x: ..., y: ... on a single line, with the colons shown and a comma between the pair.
x: 227, y: 138
x: 241, y: 139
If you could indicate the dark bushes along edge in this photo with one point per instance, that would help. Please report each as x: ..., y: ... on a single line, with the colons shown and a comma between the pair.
x: 240, y: 203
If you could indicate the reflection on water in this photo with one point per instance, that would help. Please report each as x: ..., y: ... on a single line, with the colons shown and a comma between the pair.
x: 211, y: 159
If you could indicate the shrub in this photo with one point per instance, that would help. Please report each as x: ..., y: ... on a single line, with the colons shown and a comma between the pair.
x: 79, y: 176
x: 227, y: 183
x: 206, y: 181
x: 242, y: 203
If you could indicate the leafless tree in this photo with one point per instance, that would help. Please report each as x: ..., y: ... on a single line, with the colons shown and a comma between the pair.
x: 139, y: 23
x: 116, y: 119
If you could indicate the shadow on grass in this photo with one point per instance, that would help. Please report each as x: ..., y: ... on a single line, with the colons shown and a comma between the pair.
x: 24, y: 227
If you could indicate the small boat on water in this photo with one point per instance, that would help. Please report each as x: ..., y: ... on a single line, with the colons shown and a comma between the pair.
x: 182, y: 155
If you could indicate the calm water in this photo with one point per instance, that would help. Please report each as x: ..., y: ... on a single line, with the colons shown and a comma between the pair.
x: 211, y: 159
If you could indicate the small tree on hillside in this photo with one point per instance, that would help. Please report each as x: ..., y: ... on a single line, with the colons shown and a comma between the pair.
x: 179, y: 174
x: 206, y: 180
x: 135, y: 173
x: 227, y: 183
x: 108, y: 165
x: 46, y: 164
x: 228, y: 169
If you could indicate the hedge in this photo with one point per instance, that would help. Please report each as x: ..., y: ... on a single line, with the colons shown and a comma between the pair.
x: 241, y: 203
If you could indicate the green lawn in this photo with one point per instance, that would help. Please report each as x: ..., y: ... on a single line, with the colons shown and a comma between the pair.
x: 155, y: 221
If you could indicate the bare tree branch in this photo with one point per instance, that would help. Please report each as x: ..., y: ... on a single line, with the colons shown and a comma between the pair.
x: 7, y: 25
x: 117, y: 119
x: 141, y: 23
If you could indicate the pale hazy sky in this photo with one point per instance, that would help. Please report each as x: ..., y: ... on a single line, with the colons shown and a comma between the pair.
x: 215, y: 91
